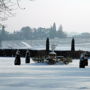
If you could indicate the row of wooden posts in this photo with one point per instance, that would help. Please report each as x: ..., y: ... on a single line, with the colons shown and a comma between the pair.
x: 18, y: 59
x: 27, y: 56
x: 83, y: 59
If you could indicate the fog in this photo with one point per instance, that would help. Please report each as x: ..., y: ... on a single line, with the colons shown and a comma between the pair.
x: 74, y: 15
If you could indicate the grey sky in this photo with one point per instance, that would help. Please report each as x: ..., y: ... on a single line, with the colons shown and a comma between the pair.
x: 74, y: 15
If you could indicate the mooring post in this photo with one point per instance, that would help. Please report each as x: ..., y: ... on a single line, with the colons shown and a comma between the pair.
x: 82, y: 62
x: 17, y: 58
x: 27, y: 57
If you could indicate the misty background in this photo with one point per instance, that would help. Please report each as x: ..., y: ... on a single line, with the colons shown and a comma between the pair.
x: 74, y: 15
x: 39, y: 19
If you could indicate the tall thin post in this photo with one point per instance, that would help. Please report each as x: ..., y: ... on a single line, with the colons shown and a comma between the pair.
x: 17, y: 58
x: 73, y: 45
x: 47, y: 46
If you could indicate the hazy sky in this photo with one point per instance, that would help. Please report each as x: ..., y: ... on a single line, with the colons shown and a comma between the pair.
x: 74, y: 15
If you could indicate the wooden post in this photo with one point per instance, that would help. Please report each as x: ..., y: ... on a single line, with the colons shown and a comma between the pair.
x: 17, y: 58
x: 27, y: 57
x: 82, y: 63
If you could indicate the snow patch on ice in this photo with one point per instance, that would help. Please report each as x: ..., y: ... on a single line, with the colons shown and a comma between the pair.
x: 26, y: 44
x: 39, y: 76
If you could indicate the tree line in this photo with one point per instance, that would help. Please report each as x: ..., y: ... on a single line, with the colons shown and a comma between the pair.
x: 28, y: 33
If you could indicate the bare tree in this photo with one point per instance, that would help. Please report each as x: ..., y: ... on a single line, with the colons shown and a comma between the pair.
x: 5, y: 9
x: 7, y: 6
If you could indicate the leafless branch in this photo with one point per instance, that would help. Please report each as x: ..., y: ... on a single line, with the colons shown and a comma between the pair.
x: 6, y: 8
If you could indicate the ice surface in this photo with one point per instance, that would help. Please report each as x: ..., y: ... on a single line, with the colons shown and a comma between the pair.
x: 26, y: 44
x: 61, y: 44
x: 40, y: 76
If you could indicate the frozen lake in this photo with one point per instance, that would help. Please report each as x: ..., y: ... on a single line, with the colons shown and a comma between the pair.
x: 43, y: 77
x: 61, y: 44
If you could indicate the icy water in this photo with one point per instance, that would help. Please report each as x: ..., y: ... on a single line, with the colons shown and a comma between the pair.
x: 61, y: 44
x: 42, y: 76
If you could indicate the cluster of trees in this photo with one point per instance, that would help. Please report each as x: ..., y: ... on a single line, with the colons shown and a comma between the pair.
x: 6, y: 8
x: 27, y: 33
x: 83, y: 35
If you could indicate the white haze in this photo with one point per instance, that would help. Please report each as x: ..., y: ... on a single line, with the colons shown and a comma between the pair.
x: 74, y: 15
